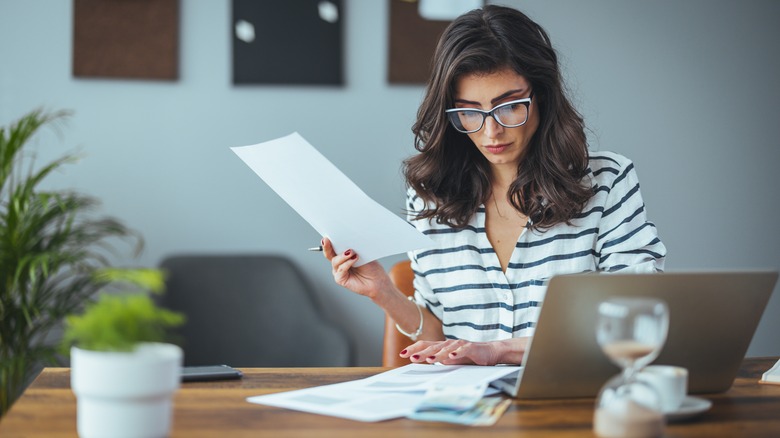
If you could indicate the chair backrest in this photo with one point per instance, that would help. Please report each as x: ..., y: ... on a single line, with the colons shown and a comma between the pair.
x: 250, y: 311
x: 402, y: 277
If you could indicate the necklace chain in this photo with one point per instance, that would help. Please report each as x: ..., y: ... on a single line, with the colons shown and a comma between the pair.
x: 498, y: 211
x: 495, y: 203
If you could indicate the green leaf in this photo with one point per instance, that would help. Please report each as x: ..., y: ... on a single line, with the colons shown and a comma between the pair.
x: 119, y: 323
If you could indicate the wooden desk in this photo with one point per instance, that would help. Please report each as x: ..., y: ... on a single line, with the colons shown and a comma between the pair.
x: 219, y: 409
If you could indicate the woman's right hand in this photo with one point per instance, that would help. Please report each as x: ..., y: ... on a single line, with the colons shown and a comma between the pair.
x: 368, y: 280
x: 459, y: 352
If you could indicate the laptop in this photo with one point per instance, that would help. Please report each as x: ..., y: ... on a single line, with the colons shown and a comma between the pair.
x: 712, y: 319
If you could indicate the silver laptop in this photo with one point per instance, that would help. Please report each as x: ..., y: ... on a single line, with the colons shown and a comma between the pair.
x: 712, y: 319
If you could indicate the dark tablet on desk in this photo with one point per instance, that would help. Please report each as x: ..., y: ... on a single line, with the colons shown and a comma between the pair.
x: 209, y: 372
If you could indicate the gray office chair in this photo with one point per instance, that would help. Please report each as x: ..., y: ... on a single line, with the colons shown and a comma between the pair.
x: 250, y: 311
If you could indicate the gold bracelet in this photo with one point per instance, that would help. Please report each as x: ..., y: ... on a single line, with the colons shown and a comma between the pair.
x: 413, y: 336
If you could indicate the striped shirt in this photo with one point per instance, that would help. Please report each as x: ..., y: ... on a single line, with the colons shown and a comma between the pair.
x: 461, y: 282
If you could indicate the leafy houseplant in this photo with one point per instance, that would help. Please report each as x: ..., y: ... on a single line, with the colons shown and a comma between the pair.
x: 123, y: 376
x: 51, y: 245
x: 120, y: 322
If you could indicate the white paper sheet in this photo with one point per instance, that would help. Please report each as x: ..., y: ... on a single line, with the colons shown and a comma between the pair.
x: 345, y: 400
x: 329, y: 201
x: 391, y: 394
x: 421, y: 377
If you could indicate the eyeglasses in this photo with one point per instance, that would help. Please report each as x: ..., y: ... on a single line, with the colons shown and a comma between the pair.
x: 509, y: 115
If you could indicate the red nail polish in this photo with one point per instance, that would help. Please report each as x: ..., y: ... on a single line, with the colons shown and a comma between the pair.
x: 453, y: 354
x: 403, y: 352
x: 322, y: 241
x: 431, y: 357
x: 416, y: 357
x: 348, y: 252
x: 354, y: 256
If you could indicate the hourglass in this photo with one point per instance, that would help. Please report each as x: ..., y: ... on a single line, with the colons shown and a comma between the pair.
x: 631, y: 332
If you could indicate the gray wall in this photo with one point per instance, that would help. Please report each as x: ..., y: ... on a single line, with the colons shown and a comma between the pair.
x: 687, y: 89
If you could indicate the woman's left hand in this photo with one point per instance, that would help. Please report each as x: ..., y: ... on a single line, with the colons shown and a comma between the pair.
x: 459, y: 352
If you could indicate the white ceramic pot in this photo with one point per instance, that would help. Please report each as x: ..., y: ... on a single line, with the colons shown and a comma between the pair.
x: 126, y: 394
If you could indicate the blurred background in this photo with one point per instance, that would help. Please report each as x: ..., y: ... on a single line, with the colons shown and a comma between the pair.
x: 687, y: 90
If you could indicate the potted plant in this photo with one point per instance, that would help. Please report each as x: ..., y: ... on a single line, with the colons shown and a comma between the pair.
x: 51, y: 244
x: 123, y: 374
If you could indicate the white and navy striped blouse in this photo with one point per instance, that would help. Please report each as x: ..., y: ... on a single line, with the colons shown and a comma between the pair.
x: 461, y: 282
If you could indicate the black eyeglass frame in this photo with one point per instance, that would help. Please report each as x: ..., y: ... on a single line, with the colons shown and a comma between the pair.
x: 492, y: 113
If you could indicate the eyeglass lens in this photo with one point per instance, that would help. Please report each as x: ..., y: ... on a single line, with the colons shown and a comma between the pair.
x: 510, y: 114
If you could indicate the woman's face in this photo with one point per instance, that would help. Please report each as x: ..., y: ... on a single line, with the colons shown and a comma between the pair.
x: 502, y: 147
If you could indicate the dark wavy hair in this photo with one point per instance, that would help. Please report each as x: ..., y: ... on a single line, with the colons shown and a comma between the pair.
x: 450, y: 174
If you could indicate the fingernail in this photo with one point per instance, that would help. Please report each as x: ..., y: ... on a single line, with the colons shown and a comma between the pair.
x: 416, y: 357
x: 348, y: 252
x: 403, y: 352
x: 431, y: 357
x: 453, y: 354
x: 322, y: 241
x: 354, y: 256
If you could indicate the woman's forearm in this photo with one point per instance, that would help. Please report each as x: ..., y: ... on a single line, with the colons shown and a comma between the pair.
x: 405, y: 313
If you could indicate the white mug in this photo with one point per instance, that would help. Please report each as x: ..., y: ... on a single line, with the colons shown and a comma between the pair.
x: 670, y: 382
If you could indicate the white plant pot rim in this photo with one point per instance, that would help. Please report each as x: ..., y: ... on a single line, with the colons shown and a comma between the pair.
x: 160, y: 350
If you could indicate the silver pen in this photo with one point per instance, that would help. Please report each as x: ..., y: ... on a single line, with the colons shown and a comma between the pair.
x: 316, y: 248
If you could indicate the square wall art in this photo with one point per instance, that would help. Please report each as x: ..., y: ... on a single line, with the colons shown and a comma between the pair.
x: 290, y: 42
x: 414, y: 31
x: 131, y: 39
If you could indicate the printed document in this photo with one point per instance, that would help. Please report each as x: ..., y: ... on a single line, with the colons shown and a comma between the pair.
x: 392, y: 394
x: 329, y: 201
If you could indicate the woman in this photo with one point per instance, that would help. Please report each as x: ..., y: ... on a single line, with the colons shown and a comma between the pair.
x: 505, y: 185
